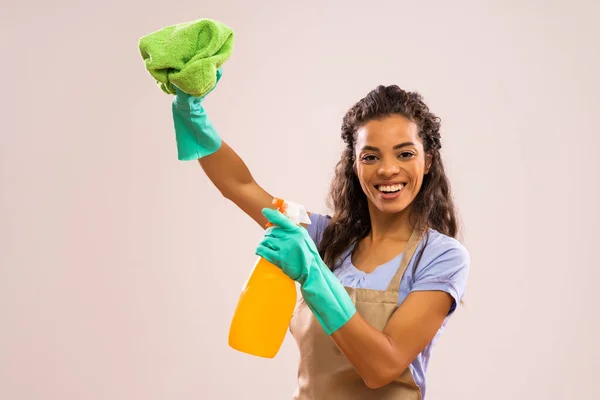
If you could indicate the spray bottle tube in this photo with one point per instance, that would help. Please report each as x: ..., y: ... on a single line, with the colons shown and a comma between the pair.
x: 266, y: 304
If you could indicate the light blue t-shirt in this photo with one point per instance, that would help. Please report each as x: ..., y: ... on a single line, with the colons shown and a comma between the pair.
x: 444, y: 266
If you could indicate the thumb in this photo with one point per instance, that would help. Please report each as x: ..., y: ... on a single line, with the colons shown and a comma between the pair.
x: 180, y: 93
x: 277, y: 218
x: 217, y: 79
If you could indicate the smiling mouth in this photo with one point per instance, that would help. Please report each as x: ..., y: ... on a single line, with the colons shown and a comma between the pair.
x: 390, y: 189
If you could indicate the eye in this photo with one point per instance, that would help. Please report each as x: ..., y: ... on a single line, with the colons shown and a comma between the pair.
x: 368, y: 158
x: 406, y: 154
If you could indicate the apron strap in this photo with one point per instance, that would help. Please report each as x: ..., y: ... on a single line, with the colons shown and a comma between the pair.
x: 407, y: 255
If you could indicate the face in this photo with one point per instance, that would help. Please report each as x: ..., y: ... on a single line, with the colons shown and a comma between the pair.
x: 390, y: 163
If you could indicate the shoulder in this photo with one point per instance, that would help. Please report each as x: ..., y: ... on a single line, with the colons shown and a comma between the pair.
x: 318, y: 223
x: 444, y: 265
x: 437, y: 246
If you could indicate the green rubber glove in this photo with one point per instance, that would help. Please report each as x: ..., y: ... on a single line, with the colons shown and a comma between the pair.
x: 290, y: 247
x: 195, y: 135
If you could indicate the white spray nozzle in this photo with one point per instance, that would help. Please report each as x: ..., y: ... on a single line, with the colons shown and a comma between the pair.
x: 296, y: 212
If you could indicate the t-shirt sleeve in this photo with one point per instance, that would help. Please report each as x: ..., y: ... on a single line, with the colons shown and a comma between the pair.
x: 445, y: 268
x: 318, y: 223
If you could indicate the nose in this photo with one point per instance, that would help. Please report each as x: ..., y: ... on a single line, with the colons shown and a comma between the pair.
x: 388, y: 168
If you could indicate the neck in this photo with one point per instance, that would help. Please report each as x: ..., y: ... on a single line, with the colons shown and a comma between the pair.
x: 394, y: 227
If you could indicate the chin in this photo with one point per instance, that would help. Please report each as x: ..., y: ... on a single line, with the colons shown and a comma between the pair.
x: 390, y: 207
x: 393, y: 208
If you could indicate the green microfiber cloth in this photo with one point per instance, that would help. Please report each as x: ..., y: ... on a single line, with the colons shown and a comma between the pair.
x: 187, y: 55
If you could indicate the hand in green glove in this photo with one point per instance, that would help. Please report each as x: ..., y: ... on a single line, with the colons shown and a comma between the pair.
x: 289, y: 247
x: 195, y: 135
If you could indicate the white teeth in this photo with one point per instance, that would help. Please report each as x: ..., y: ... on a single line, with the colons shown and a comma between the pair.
x: 390, y: 188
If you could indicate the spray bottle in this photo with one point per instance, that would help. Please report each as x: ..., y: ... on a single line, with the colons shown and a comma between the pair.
x: 267, y: 302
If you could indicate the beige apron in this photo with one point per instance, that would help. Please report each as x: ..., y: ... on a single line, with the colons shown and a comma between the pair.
x: 324, y: 373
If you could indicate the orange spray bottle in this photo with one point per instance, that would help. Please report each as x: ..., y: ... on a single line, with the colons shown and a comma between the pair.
x: 265, y: 307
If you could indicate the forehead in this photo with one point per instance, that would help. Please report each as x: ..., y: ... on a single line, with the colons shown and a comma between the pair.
x: 387, y: 132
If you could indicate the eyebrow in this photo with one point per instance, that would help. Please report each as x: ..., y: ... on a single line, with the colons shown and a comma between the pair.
x: 398, y: 146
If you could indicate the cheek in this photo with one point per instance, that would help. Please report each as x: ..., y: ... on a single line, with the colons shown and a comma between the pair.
x: 363, y: 175
x: 417, y: 172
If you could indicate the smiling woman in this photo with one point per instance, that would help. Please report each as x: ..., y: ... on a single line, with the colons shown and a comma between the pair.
x: 381, y: 276
x: 391, y: 243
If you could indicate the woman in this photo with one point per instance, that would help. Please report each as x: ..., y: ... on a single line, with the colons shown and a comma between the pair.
x: 382, y: 275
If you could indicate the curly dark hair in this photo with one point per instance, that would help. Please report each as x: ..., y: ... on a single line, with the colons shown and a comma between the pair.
x: 433, y: 206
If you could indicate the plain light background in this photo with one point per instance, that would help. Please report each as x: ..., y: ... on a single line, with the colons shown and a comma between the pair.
x: 120, y: 266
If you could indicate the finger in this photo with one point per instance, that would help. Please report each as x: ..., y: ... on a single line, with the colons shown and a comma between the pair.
x: 277, y: 218
x: 268, y: 254
x: 275, y: 232
x: 271, y: 243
